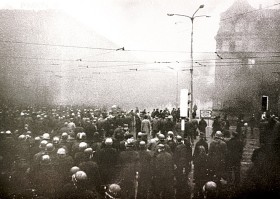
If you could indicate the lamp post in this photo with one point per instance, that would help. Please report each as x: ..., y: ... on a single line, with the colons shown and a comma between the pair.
x: 191, y: 69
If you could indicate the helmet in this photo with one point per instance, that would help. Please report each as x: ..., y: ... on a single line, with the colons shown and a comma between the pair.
x: 64, y: 136
x: 50, y: 147
x: 37, y: 139
x: 161, y: 137
x: 130, y: 142
x: 161, y: 146
x: 88, y: 151
x: 179, y: 138
x: 81, y: 135
x: 79, y: 177
x: 43, y: 144
x: 61, y: 151
x: 55, y: 140
x: 45, y: 160
x: 8, y: 132
x: 22, y: 137
x: 74, y: 169
x: 109, y: 141
x: 142, y: 143
x: 140, y: 134
x: 210, y: 188
x: 46, y: 136
x: 82, y: 146
x: 218, y: 134
x: 113, y: 191
x: 170, y: 133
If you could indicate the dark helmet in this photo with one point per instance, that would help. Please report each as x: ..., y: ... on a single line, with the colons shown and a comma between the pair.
x: 113, y: 191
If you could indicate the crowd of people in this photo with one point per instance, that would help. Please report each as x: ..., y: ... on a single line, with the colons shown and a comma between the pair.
x: 67, y: 152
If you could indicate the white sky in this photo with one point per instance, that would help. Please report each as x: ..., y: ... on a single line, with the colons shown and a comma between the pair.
x: 143, y: 24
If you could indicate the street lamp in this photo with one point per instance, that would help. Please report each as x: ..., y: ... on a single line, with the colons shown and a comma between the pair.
x: 191, y: 69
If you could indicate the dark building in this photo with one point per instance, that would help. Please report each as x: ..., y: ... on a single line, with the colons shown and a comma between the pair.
x: 248, y: 60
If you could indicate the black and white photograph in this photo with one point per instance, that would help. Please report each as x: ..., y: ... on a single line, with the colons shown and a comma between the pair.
x: 139, y: 99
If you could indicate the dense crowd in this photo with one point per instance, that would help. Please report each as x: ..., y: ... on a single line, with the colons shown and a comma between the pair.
x: 68, y: 152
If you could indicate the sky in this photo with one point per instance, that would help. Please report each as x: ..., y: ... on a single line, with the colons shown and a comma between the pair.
x: 143, y: 24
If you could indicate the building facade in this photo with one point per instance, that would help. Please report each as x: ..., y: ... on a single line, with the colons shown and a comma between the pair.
x: 247, y: 69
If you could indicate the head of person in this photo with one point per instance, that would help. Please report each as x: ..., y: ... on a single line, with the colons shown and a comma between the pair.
x: 79, y: 179
x: 108, y: 142
x: 210, y: 190
x: 82, y: 146
x: 161, y: 137
x: 142, y: 145
x: 161, y: 148
x: 113, y: 191
x: 218, y: 135
x: 61, y: 153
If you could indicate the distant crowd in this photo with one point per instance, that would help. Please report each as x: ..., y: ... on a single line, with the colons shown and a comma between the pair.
x: 68, y: 152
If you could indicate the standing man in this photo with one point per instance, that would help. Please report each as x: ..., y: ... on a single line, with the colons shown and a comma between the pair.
x: 202, y: 125
x: 146, y: 126
x: 163, y: 174
x: 235, y: 150
x: 252, y: 124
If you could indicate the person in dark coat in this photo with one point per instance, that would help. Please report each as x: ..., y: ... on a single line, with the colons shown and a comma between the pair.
x: 92, y: 170
x: 189, y: 130
x: 145, y: 172
x: 163, y: 174
x: 217, y: 156
x: 46, y: 179
x: 202, y: 125
x: 216, y: 126
x: 234, y: 156
x: 200, y: 142
x: 80, y: 156
x: 107, y: 160
x: 63, y: 163
x: 78, y: 188
x: 200, y: 176
x: 182, y: 160
x: 129, y: 163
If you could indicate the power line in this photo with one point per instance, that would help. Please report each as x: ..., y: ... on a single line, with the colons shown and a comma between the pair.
x: 56, y: 45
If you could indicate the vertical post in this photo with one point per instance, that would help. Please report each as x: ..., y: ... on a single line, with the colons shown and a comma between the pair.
x: 177, y: 92
x: 191, y: 70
